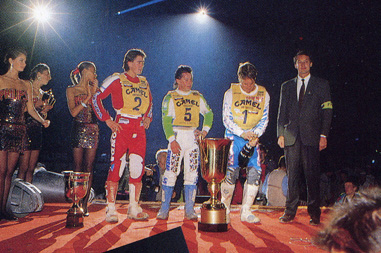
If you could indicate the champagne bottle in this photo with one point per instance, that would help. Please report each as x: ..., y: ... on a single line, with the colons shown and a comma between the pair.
x: 245, y: 155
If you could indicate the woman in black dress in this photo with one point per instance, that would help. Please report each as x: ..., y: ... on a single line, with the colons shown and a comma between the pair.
x: 43, y: 102
x: 85, y: 130
x: 15, y: 98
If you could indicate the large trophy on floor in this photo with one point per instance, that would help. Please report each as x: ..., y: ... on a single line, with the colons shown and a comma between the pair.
x: 214, y: 157
x: 76, y: 185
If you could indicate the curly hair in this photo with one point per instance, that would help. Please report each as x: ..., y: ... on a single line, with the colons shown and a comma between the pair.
x: 355, y: 225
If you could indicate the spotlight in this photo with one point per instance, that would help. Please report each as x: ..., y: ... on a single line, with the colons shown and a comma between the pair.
x: 203, y: 11
x: 139, y: 6
x: 41, y: 13
x: 202, y: 15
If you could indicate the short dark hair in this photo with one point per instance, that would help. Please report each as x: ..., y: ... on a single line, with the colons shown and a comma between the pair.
x: 302, y: 52
x: 131, y: 55
x: 353, y: 180
x: 247, y: 70
x: 13, y: 53
x: 39, y: 68
x: 179, y: 73
x: 262, y: 148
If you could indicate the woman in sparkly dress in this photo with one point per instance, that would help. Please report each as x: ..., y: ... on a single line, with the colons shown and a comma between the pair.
x: 43, y: 102
x: 15, y: 97
x: 85, y: 130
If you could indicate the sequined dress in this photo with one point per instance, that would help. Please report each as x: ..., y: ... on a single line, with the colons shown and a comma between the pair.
x: 33, y: 130
x: 85, y: 130
x: 12, y: 122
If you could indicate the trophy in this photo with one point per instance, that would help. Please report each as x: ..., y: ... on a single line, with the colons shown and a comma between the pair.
x: 76, y: 185
x: 48, y: 98
x: 214, y: 154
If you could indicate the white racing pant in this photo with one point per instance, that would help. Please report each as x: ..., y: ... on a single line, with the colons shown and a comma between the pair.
x: 189, y: 152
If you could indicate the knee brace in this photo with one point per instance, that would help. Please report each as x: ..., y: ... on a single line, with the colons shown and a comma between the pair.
x: 136, y: 167
x: 232, y: 175
x: 253, y: 176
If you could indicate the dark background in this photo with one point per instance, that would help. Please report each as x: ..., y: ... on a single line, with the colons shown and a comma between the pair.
x: 342, y: 36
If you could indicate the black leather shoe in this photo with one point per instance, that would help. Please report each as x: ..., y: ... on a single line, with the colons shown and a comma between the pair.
x: 314, y: 221
x: 286, y: 218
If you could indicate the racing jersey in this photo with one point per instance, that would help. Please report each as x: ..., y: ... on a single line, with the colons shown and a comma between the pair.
x: 130, y: 97
x: 245, y: 111
x: 182, y: 109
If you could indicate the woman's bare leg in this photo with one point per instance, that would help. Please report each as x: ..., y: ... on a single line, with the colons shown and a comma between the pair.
x: 32, y: 165
x: 3, y: 169
x: 90, y: 154
x: 24, y: 164
x: 78, y: 159
x: 12, y: 162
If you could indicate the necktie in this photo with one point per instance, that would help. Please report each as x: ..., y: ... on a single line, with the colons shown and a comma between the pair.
x: 301, y: 93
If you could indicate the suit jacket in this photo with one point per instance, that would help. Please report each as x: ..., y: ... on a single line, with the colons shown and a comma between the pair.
x: 312, y: 119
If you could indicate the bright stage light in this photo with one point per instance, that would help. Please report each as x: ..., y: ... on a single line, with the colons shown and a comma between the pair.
x: 41, y: 13
x: 203, y: 12
x: 139, y: 6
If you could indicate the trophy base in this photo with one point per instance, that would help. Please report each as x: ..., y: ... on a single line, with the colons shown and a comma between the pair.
x: 213, y: 219
x: 74, y: 220
x: 213, y: 215
x: 212, y: 227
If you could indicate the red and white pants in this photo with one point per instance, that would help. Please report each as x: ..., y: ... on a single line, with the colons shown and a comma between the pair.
x: 131, y: 141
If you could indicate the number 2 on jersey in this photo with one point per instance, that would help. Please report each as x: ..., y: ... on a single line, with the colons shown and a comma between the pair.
x: 139, y: 100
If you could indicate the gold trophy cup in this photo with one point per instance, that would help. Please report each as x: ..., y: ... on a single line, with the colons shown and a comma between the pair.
x: 76, y: 185
x: 214, y: 154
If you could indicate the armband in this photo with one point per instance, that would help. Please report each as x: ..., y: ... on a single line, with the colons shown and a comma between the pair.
x: 327, y: 105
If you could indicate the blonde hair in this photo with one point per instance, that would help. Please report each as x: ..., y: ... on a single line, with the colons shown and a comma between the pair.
x: 159, y: 152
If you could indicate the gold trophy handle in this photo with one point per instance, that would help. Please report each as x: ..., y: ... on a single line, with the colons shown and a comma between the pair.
x: 201, y: 144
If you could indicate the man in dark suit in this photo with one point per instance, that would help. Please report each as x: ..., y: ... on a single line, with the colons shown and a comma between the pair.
x: 304, y: 119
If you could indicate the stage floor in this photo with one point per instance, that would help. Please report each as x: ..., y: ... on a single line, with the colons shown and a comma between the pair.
x: 45, y: 231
